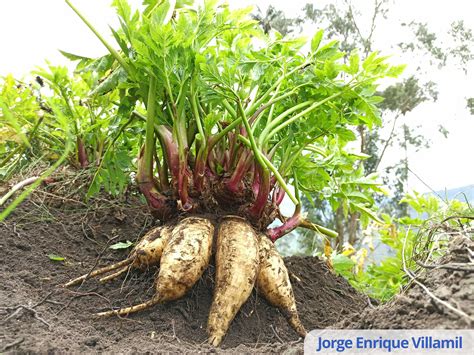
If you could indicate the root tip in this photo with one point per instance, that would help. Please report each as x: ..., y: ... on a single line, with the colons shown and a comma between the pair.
x: 298, y: 326
x: 69, y: 283
x: 215, y: 339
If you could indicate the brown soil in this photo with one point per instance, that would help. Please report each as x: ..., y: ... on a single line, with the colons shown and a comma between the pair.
x: 55, y: 319
x: 39, y: 316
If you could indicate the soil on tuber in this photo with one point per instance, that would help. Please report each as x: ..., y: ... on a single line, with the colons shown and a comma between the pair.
x: 236, y: 271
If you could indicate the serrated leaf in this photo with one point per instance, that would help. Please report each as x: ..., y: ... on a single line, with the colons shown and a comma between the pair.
x: 121, y: 245
x: 369, y: 60
x: 163, y: 12
x: 375, y: 99
x: 359, y: 196
x: 98, y: 65
x: 396, y: 70
x: 123, y: 9
x: 120, y: 41
x: 13, y: 122
x: 346, y: 134
x: 366, y: 211
x: 316, y: 41
x: 332, y: 45
x: 94, y: 187
x: 73, y: 57
x: 331, y: 69
x: 387, y: 218
x: 111, y: 82
x: 55, y: 257
x: 354, y: 62
x: 362, y: 182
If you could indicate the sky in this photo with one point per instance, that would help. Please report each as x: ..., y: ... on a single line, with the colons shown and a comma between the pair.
x: 32, y: 31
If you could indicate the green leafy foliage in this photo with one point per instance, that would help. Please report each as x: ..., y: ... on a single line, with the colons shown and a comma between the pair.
x: 19, y: 122
x: 408, y: 239
x: 32, y: 130
x: 222, y: 87
x: 343, y: 265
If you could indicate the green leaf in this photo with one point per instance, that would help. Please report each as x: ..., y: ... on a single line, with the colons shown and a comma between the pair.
x: 316, y: 41
x: 99, y: 65
x: 359, y: 155
x: 123, y: 9
x: 363, y: 181
x: 13, y: 122
x: 359, y: 196
x: 121, y: 245
x: 387, y: 218
x: 329, y: 49
x: 73, y: 57
x: 120, y: 41
x: 346, y: 134
x: 354, y: 62
x: 94, y: 187
x: 111, y: 82
x: 309, y: 198
x: 366, y: 211
x: 163, y: 12
x: 343, y: 265
x: 396, y: 70
x: 368, y: 62
x: 331, y: 69
x: 55, y: 257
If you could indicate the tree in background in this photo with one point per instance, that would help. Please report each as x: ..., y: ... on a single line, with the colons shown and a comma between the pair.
x: 459, y: 52
x: 275, y: 19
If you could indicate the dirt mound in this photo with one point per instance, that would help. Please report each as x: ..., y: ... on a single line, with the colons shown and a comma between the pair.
x: 39, y: 316
x: 450, y: 282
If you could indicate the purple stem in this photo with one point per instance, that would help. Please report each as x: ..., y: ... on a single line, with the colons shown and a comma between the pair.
x: 241, y: 169
x: 81, y: 153
x: 278, y: 195
x: 171, y: 153
x: 226, y: 162
x: 262, y: 197
x: 233, y: 148
x: 200, y: 169
x: 289, y: 225
x: 183, y: 180
x: 160, y: 206
x: 256, y: 180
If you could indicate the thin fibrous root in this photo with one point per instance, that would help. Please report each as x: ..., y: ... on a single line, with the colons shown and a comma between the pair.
x: 114, y: 275
x: 132, y: 309
x: 100, y: 271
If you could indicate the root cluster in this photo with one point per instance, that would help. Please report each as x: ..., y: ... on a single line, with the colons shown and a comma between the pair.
x: 244, y: 259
